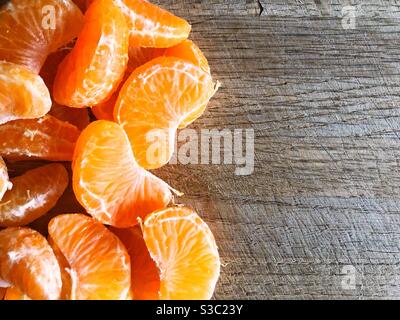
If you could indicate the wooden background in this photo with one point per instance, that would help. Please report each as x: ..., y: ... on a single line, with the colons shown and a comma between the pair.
x: 324, y: 104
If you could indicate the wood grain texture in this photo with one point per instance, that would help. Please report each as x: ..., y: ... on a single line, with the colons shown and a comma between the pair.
x: 324, y: 104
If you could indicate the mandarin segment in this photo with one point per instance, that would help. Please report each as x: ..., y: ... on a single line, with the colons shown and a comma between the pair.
x: 107, y: 180
x: 152, y: 26
x: 154, y: 102
x: 99, y: 265
x: 31, y: 30
x: 23, y: 94
x: 186, y: 254
x: 33, y: 194
x: 189, y: 51
x: 28, y: 263
x: 5, y: 183
x: 92, y: 71
x: 45, y: 138
x: 138, y: 56
x: 145, y: 277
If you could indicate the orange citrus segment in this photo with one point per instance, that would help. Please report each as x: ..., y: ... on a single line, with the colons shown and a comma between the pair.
x: 154, y: 102
x: 45, y: 138
x: 109, y: 183
x: 99, y: 265
x: 144, y: 272
x: 94, y: 68
x: 14, y: 294
x: 152, y: 26
x: 138, y: 56
x: 189, y: 51
x: 23, y: 94
x: 33, y: 194
x: 28, y: 263
x: 5, y: 183
x: 185, y: 251
x: 31, y: 30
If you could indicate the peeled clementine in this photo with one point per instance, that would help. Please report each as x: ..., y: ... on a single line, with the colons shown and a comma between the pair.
x: 107, y: 180
x: 28, y: 263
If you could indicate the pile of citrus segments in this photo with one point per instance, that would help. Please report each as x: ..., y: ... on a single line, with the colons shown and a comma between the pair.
x: 130, y: 64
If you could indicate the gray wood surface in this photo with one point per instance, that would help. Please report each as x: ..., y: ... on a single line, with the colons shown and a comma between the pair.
x: 324, y: 104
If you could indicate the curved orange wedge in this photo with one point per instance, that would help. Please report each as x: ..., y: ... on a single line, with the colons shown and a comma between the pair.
x: 98, y: 263
x: 33, y: 194
x: 185, y: 252
x: 45, y: 138
x: 155, y: 101
x: 107, y: 180
x: 28, y: 263
x: 92, y: 71
x: 31, y: 30
x: 23, y: 94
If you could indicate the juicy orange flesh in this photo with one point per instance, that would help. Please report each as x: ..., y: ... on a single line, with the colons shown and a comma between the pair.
x: 154, y: 101
x: 94, y: 68
x: 31, y: 30
x: 107, y: 180
x: 23, y: 94
x: 138, y: 56
x: 45, y: 138
x: 184, y: 249
x: 28, y: 263
x: 32, y: 195
x: 152, y: 26
x: 99, y: 263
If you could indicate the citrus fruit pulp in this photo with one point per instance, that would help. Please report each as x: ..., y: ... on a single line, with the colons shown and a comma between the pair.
x: 154, y: 102
x: 138, y: 56
x: 33, y: 194
x: 45, y: 138
x: 107, y: 180
x: 152, y: 26
x: 98, y: 263
x: 23, y: 94
x: 31, y: 30
x: 92, y: 71
x: 185, y: 252
x: 28, y: 263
